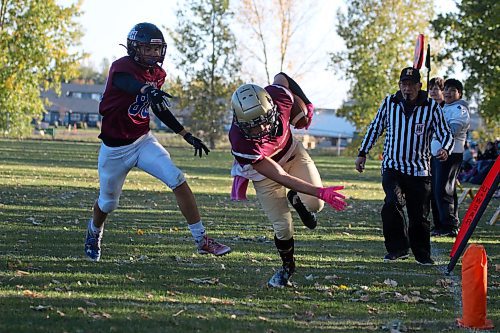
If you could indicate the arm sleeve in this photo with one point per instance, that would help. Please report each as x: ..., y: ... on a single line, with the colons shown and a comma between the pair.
x: 168, y: 119
x: 126, y: 82
x: 375, y: 129
x: 295, y: 88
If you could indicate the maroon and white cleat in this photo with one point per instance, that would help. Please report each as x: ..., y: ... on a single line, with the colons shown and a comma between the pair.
x: 209, y: 245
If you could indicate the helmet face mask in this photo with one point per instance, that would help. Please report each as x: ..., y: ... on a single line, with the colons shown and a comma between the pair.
x: 146, y: 45
x: 253, y: 107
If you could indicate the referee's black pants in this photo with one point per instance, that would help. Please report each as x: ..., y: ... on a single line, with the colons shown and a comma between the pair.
x: 400, y: 235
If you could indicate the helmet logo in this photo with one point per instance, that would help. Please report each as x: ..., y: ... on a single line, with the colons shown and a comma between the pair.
x: 132, y: 34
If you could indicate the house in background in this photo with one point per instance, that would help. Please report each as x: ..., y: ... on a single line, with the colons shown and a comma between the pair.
x: 327, y: 130
x: 77, y: 104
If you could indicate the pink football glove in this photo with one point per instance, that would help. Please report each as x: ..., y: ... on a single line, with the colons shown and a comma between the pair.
x: 332, y: 197
x: 310, y: 113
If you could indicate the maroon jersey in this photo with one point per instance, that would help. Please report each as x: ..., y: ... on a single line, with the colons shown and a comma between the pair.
x: 126, y: 116
x: 251, y: 151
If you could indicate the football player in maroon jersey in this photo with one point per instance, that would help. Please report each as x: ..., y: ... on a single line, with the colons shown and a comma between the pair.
x: 268, y: 154
x: 132, y: 89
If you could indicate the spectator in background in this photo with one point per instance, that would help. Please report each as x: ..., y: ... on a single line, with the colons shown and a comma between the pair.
x: 469, y: 161
x: 490, y: 152
x: 444, y: 173
x: 436, y: 87
x: 468, y: 164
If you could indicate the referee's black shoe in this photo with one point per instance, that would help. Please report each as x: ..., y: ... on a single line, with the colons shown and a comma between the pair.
x: 394, y: 256
x: 308, y: 219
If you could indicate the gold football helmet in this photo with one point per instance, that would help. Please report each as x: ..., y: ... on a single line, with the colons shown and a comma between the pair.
x: 253, y: 106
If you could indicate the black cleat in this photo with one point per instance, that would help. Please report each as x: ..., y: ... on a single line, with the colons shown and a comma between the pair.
x: 308, y: 219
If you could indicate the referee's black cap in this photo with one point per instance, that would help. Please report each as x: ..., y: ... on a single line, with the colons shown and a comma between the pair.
x: 411, y: 74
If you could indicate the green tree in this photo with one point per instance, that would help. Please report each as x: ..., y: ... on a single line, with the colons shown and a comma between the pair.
x: 472, y: 38
x: 207, y: 58
x: 380, y: 40
x: 35, y: 37
x: 88, y: 74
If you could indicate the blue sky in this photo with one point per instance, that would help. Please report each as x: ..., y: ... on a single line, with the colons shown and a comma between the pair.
x: 106, y: 24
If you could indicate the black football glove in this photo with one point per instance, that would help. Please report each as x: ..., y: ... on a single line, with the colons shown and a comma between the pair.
x: 158, y: 98
x: 198, y: 145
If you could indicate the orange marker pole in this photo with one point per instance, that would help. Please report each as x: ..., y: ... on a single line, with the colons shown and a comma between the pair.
x: 474, y: 288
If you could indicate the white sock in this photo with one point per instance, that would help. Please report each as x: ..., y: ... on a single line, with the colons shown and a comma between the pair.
x: 95, y: 229
x: 197, y: 230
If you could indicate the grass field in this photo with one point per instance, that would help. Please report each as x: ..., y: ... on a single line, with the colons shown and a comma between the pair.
x: 151, y: 280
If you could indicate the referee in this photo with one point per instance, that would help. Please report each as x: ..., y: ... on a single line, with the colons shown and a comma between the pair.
x: 410, y: 120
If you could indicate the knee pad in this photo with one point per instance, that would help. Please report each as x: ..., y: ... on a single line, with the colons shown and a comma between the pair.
x: 313, y: 204
x: 107, y: 206
x: 283, y: 231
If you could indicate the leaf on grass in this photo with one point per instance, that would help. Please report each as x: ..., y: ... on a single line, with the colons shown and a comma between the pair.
x: 445, y: 283
x: 390, y: 283
x: 181, y: 260
x: 140, y: 232
x: 214, y: 300
x: 14, y: 264
x: 331, y: 277
x: 307, y: 316
x: 171, y: 300
x: 206, y: 280
x: 144, y: 315
x: 41, y: 307
x: 286, y: 306
x: 178, y: 313
x: 32, y: 294
x: 309, y: 277
x: 99, y: 315
x: 60, y: 313
x: 263, y: 318
x: 82, y: 310
x: 22, y: 273
x: 363, y: 298
x: 372, y: 309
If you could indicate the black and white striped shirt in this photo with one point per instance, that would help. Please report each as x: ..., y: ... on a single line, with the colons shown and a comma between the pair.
x: 408, y: 135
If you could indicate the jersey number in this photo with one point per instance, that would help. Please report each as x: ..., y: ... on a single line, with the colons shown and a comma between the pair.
x: 140, y: 107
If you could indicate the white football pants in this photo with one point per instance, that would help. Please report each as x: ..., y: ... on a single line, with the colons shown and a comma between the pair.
x: 146, y: 153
